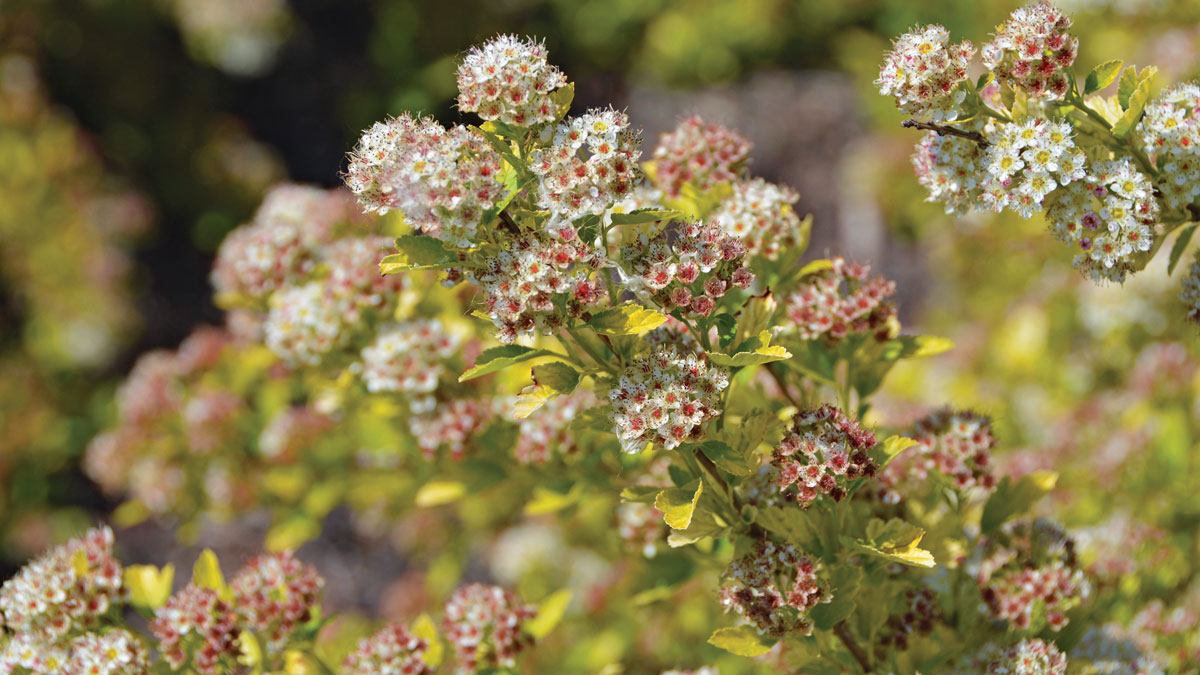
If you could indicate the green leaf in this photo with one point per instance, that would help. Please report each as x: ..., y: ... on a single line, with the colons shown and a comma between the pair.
x: 642, y: 494
x: 557, y: 375
x: 549, y: 614
x: 897, y: 541
x: 845, y: 585
x: 438, y: 492
x: 562, y: 98
x: 726, y: 329
x: 499, y: 358
x: 726, y: 458
x: 627, y: 319
x: 984, y: 80
x: 920, y: 346
x: 1011, y: 499
x: 500, y: 145
x: 678, y: 505
x: 883, y: 453
x: 814, y: 267
x: 1102, y: 76
x: 1128, y: 83
x: 206, y: 573
x: 531, y: 398
x: 1133, y: 109
x: 1181, y: 244
x: 644, y: 216
x: 741, y: 640
x: 755, y: 315
x: 764, y: 353
x: 417, y: 252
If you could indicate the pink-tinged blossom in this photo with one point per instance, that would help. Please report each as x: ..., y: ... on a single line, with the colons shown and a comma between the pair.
x: 116, y: 652
x: 392, y: 651
x: 958, y: 445
x: 775, y: 586
x: 305, y: 323
x: 508, y: 79
x: 699, y: 153
x: 1030, y: 656
x: 1028, y: 565
x: 1190, y: 293
x: 354, y: 281
x: 485, y: 626
x: 822, y: 452
x: 291, y: 431
x: 408, y: 357
x: 590, y: 166
x: 450, y: 426
x: 1033, y: 51
x: 1170, y: 136
x: 922, y: 73
x: 547, y: 433
x: 274, y: 594
x: 840, y: 300
x: 195, y: 623
x: 686, y: 267
x: 761, y: 215
x: 665, y: 398
x: 950, y: 168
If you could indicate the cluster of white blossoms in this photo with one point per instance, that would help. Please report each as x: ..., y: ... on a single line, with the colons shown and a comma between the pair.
x: 508, y: 79
x: 1032, y: 51
x: 1030, y: 656
x: 303, y: 324
x: 407, y: 357
x: 591, y: 165
x: 1026, y: 161
x: 116, y: 652
x: 923, y: 70
x: 1111, y: 216
x: 761, y: 215
x: 354, y: 281
x: 441, y: 179
x: 665, y: 398
x: 1170, y: 135
x: 700, y: 153
x: 1190, y: 295
x: 391, y: 651
x: 949, y: 167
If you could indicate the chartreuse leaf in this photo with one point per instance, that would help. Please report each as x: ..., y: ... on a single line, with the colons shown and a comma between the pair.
x: 678, y: 505
x: 562, y: 98
x: 149, y: 586
x: 741, y: 640
x: 557, y: 375
x: 644, y: 216
x: 897, y: 541
x: 755, y: 316
x: 626, y: 319
x: 891, y: 447
x: 1181, y: 244
x: 425, y: 629
x: 416, y: 252
x: 531, y: 398
x: 291, y: 532
x: 814, y: 267
x: 549, y: 614
x: 1102, y: 76
x: 765, y: 352
x: 725, y: 457
x: 642, y: 494
x: 1133, y: 109
x: 206, y: 573
x: 1011, y: 499
x: 546, y: 500
x: 499, y: 358
x: 437, y: 492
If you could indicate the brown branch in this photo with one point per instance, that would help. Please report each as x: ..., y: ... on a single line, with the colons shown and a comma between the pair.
x: 841, y: 630
x: 943, y: 130
x: 779, y: 382
x: 509, y: 222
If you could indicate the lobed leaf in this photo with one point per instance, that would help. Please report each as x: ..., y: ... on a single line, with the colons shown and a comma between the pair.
x: 417, y: 252
x: 1102, y: 75
x: 499, y: 358
x: 626, y: 319
x: 741, y: 640
x: 678, y: 505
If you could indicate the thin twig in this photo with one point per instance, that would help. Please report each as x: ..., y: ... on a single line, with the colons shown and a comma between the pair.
x: 779, y: 381
x: 509, y: 223
x: 843, y: 632
x: 943, y: 130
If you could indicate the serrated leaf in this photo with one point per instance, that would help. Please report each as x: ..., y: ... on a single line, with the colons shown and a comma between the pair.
x: 626, y: 319
x: 1011, y: 499
x: 1181, y: 244
x: 644, y: 216
x: 149, y: 586
x: 206, y: 573
x: 755, y: 315
x: 897, y: 541
x: 499, y: 358
x: 741, y: 640
x: 725, y: 457
x: 438, y: 492
x: 549, y: 614
x: 531, y: 398
x: 642, y: 494
x: 425, y: 629
x: 417, y: 252
x: 1133, y: 109
x: 1125, y: 88
x: 678, y: 505
x: 891, y: 447
x: 557, y: 375
x: 764, y: 353
x: 1102, y: 75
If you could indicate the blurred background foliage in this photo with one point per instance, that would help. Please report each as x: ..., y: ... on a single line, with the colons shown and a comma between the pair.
x: 135, y: 133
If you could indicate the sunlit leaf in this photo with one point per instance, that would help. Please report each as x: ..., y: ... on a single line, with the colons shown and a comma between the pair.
x: 627, y: 319
x: 741, y: 640
x: 499, y: 358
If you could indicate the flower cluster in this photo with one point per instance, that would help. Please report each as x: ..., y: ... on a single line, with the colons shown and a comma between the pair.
x: 1032, y: 51
x: 775, y: 586
x: 450, y: 425
x: 196, y: 622
x: 484, y: 624
x: 950, y: 167
x: 1111, y: 217
x: 591, y: 164
x: 547, y: 431
x: 522, y: 283
x: 290, y: 431
x: 1112, y: 648
x: 1026, y: 161
x: 923, y: 70
x: 116, y: 652
x: 839, y: 300
x: 761, y: 215
x: 688, y: 267
x: 1170, y: 133
x: 441, y: 179
x: 304, y: 324
x: 1030, y: 656
x: 1031, y: 564
x: 1190, y: 295
x: 822, y: 452
x: 918, y: 615
x: 68, y: 587
x: 508, y: 79
x: 391, y: 651
x: 407, y: 357
x: 665, y: 397
x: 354, y: 282
x: 700, y: 153
x: 275, y: 593
x: 958, y: 444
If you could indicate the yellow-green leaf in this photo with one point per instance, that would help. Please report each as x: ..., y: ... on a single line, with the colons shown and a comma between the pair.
x: 545, y: 500
x: 814, y: 267
x: 437, y: 492
x: 1102, y: 76
x: 148, y: 585
x: 531, y: 398
x: 499, y: 358
x: 644, y: 494
x: 206, y: 573
x: 891, y: 447
x: 550, y: 613
x: 679, y: 504
x: 291, y: 532
x: 760, y: 351
x: 741, y: 640
x: 425, y: 629
x: 898, y: 541
x: 626, y: 319
x: 726, y: 457
x: 416, y: 252
x: 644, y: 216
x: 557, y: 375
